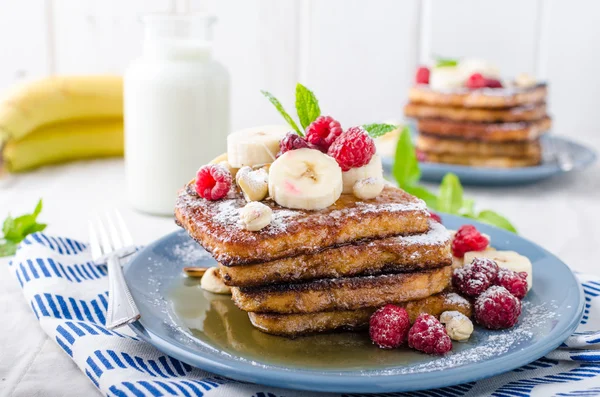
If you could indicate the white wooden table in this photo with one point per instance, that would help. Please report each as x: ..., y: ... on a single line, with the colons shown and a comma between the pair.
x: 561, y: 214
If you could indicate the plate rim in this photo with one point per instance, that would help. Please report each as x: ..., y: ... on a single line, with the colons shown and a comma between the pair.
x: 352, y: 381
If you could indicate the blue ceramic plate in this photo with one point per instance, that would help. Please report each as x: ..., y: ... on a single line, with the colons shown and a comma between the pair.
x: 561, y: 156
x: 207, y: 331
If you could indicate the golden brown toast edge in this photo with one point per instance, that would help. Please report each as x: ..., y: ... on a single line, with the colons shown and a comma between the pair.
x: 294, y: 232
x: 389, y: 255
x: 293, y: 325
x: 528, y: 112
x: 481, y: 98
x: 491, y: 132
x: 433, y: 144
x: 342, y: 293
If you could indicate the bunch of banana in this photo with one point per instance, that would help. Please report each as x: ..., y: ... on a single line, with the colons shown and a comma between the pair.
x: 59, y: 119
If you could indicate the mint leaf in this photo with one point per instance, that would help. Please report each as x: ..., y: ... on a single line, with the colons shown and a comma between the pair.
x: 307, y: 106
x: 495, y: 219
x: 450, y: 197
x: 7, y: 248
x: 468, y: 208
x: 377, y: 130
x: 430, y: 199
x: 406, y: 168
x: 282, y: 111
x: 16, y: 229
x: 445, y: 62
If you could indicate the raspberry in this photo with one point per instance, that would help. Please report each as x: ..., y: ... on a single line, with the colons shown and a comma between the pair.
x: 466, y: 239
x: 323, y: 132
x: 429, y: 335
x: 514, y: 282
x: 422, y: 76
x: 353, y: 149
x: 213, y: 182
x: 493, y: 83
x: 421, y: 155
x: 291, y: 141
x: 389, y: 326
x: 486, y: 266
x: 435, y: 217
x: 475, y: 81
x: 469, y: 281
x: 497, y: 308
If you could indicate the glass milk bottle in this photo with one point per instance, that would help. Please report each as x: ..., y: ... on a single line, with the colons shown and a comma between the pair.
x: 176, y: 106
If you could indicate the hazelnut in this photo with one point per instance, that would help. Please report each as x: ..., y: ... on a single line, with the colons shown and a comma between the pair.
x: 368, y: 188
x: 458, y: 326
x: 255, y: 216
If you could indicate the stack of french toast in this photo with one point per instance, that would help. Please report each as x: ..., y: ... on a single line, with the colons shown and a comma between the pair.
x: 466, y: 114
x: 331, y: 251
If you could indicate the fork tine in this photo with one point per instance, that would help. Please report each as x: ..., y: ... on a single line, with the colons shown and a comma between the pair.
x: 94, y: 242
x: 125, y: 235
x: 104, y: 240
x: 115, y: 239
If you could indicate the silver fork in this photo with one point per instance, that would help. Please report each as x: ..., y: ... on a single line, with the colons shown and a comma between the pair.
x: 111, y: 248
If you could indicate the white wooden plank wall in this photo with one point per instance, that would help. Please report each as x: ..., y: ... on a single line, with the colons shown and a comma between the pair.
x: 358, y: 56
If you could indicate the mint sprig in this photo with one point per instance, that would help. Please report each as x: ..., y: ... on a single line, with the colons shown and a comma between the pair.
x: 307, y: 106
x: 308, y: 109
x: 445, y: 62
x: 15, y: 230
x: 377, y: 130
x: 282, y: 111
x: 450, y: 197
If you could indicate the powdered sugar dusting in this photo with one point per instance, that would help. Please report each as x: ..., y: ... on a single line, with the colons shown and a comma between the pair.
x: 190, y: 252
x: 436, y: 235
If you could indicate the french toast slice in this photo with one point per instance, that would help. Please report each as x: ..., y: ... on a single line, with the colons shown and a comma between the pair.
x: 214, y: 224
x: 432, y: 144
x: 342, y: 293
x: 483, y: 161
x: 480, y: 98
x: 489, y: 132
x: 293, y: 325
x: 529, y: 112
x: 388, y: 255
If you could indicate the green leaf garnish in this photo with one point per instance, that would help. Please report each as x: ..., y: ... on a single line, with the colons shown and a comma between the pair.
x: 282, y: 111
x: 495, y: 219
x: 445, y: 62
x: 377, y: 130
x: 450, y: 197
x: 406, y: 167
x: 424, y: 194
x: 307, y: 106
x: 16, y: 229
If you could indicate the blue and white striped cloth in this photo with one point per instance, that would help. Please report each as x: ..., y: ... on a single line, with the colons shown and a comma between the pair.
x: 67, y: 293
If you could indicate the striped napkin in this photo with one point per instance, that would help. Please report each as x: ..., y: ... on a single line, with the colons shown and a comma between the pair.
x: 67, y: 293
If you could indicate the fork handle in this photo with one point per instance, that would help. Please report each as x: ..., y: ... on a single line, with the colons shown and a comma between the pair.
x: 121, y: 307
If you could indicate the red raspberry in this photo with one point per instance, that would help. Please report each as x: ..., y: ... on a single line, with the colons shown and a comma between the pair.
x: 514, y: 282
x: 353, y: 149
x: 469, y: 281
x: 291, y: 141
x: 475, y: 81
x: 435, y: 217
x: 487, y: 266
x: 389, y: 326
x: 422, y: 76
x: 493, y: 83
x: 323, y: 132
x: 466, y: 239
x: 497, y: 308
x: 421, y: 155
x: 213, y: 182
x: 429, y: 335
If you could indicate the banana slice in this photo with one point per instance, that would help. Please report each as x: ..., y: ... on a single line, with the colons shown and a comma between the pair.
x: 507, y: 259
x: 473, y: 65
x: 446, y: 78
x: 212, y: 282
x: 373, y: 169
x: 253, y: 146
x: 305, y: 179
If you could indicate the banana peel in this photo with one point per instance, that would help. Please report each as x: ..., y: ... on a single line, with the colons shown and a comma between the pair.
x: 31, y: 105
x: 64, y: 141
